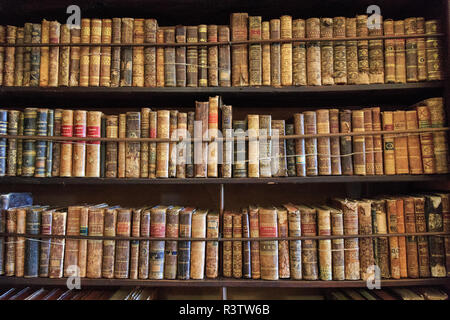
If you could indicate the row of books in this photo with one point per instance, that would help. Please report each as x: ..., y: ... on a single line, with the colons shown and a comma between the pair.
x: 395, y: 293
x: 260, y: 156
x: 284, y: 63
x: 345, y: 258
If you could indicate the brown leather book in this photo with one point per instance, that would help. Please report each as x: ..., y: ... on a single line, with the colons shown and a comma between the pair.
x: 313, y: 61
x: 28, y: 27
x: 35, y: 55
x: 339, y: 51
x: 391, y: 207
x: 213, y: 126
x: 162, y: 148
x: 134, y: 248
x: 79, y: 147
x: 237, y: 245
x: 181, y: 146
x: 44, y: 62
x: 153, y: 118
x: 94, y: 119
x: 145, y: 133
x: 2, y: 50
x: 433, y: 50
x: 150, y: 27
x: 401, y: 240
x: 18, y: 59
x: 109, y: 246
x: 13, y: 128
x: 20, y: 245
x: 94, y: 53
x: 411, y: 50
x: 74, y: 68
x: 422, y: 241
x: 426, y: 140
x: 400, y: 52
x: 190, y: 146
x: 275, y: 53
x: 121, y: 158
x: 389, y: 143
x: 326, y: 50
x: 290, y: 151
x: 362, y: 30
x: 413, y: 141
x: 122, y: 257
x: 201, y: 148
x: 246, y: 250
x: 323, y: 143
x: 389, y: 52
x: 265, y: 54
x: 265, y: 151
x: 144, y: 245
x: 381, y: 244
x: 377, y: 141
x: 72, y: 245
x: 46, y: 229
x: 170, y: 79
x: 324, y: 250
x: 192, y: 57
x: 138, y: 53
x: 366, y: 253
x: 437, y: 116
x: 227, y: 245
x: 253, y: 146
x: 337, y: 245
x: 376, y: 59
x: 346, y: 142
x: 65, y: 169
x: 212, y: 247
x: 298, y: 53
x: 82, y: 245
x: 95, y: 247
x: 401, y: 144
x: 202, y: 56
x: 368, y: 141
x: 411, y: 241
x: 157, y: 230
x: 126, y: 54
x: 268, y: 251
x: 286, y: 51
x: 55, y: 269
x: 198, y: 247
x: 227, y: 132
x: 351, y: 51
x: 64, y: 56
x: 180, y: 56
x: 359, y: 146
x: 254, y: 245
x: 310, y: 143
x: 10, y: 248
x: 84, y: 52
x: 445, y: 199
x: 433, y: 214
x: 224, y: 57
x: 295, y: 246
x: 283, y: 245
x: 105, y: 54
x: 300, y: 161
x: 255, y: 51
x: 279, y: 164
x: 239, y: 32
x: 170, y: 254
x: 421, y: 51
x: 335, y: 147
x: 133, y: 149
x: 308, y: 217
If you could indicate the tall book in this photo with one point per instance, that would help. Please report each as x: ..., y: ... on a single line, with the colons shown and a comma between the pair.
x: 377, y: 141
x: 299, y: 53
x: 150, y: 29
x: 126, y: 54
x: 381, y: 244
x: 400, y: 52
x: 313, y: 62
x: 310, y: 143
x: 278, y: 163
x: 366, y: 254
x: 286, y: 50
x: 299, y: 129
x: 184, y: 247
x: 266, y: 72
x: 295, y: 246
x: 145, y: 133
x: 122, y: 255
x: 389, y: 52
x: 33, y: 225
x: 44, y: 258
x: 389, y: 143
x: 265, y: 144
x: 255, y: 51
x: 180, y: 56
x: 351, y: 48
x: 433, y: 50
x: 227, y: 257
x: 411, y: 50
x: 3, y: 131
x: 237, y: 245
x: 308, y: 223
x: 339, y: 51
x: 401, y: 143
x: 437, y: 116
x: 335, y: 147
x: 11, y: 35
x: 198, y: 247
x: 138, y: 53
x: 283, y: 245
x: 153, y: 118
x: 157, y: 230
x: 192, y: 57
x: 93, y: 162
x: 368, y: 142
x: 253, y: 146
x: 275, y: 53
x: 190, y: 145
x: 391, y: 208
x: 144, y: 245
x: 239, y: 32
x: 66, y: 148
x: 59, y: 219
x: 202, y: 56
x: 170, y: 253
x: 20, y: 243
x: 29, y: 146
x: 324, y: 250
x: 326, y: 51
x: 181, y: 146
x: 254, y: 245
x: 345, y: 117
x: 94, y: 250
x: 224, y: 56
x: 53, y: 69
x: 337, y: 245
x: 74, y: 65
x: 290, y: 151
x: 421, y: 51
x: 18, y: 59
x: 79, y: 147
x: 35, y: 55
x: 121, y: 157
x: 240, y: 166
x: 422, y: 241
x: 434, y: 218
x: 411, y: 241
x: 213, y: 146
x: 376, y: 61
x: 170, y: 79
x: 133, y: 149
x: 212, y: 247
x: 85, y: 38
x: 359, y: 146
x: 162, y: 148
x: 401, y: 240
x: 13, y: 129
x: 72, y: 245
x: 323, y: 143
x: 200, y: 133
x: 426, y: 139
x: 246, y: 250
x: 362, y: 30
x: 44, y: 54
x: 116, y: 36
x: 134, y: 247
x: 105, y: 54
x: 268, y: 250
x: 109, y: 246
x: 41, y: 146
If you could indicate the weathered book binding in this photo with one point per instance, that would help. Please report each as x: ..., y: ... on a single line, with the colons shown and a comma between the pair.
x: 246, y: 250
x: 126, y: 54
x: 224, y: 57
x: 184, y: 247
x: 202, y: 56
x: 286, y: 51
x: 171, y: 253
x: 200, y: 130
x: 44, y: 258
x: 213, y: 127
x: 313, y: 58
x: 389, y: 143
x: 33, y: 224
x: 295, y: 246
x: 401, y: 144
x: 422, y: 241
x: 84, y: 52
x: 35, y: 55
x: 133, y: 149
x: 389, y: 52
x: 323, y: 143
x: 72, y: 245
x: 192, y: 57
x: 41, y: 146
x: 93, y: 162
x: 116, y: 36
x: 11, y: 120
x: 433, y: 51
x: 401, y: 240
x: 411, y: 50
x: 181, y: 147
x: 79, y: 147
x: 310, y: 266
x: 325, y: 257
x: 310, y: 143
x: 237, y: 245
x: 265, y: 54
x: 162, y: 148
x: 421, y: 51
x: 253, y: 146
x: 299, y: 53
x: 255, y: 51
x: 359, y: 146
x: 227, y: 257
x: 138, y: 53
x: 437, y: 117
x: 339, y: 51
x: 268, y: 250
x: 180, y: 57
x: 411, y: 241
x: 157, y: 230
x: 278, y: 163
x: 105, y: 54
x: 351, y: 51
x: 366, y: 253
x: 212, y: 247
x: 362, y: 30
x: 254, y: 245
x: 337, y: 245
x: 59, y: 219
x: 391, y: 208
x: 240, y: 166
x: 265, y: 144
x: 112, y: 130
x: 134, y: 246
x: 376, y: 61
x: 29, y: 150
x: 400, y: 52
x: 346, y: 142
x: 368, y: 142
x: 20, y: 243
x: 94, y: 247
x: 300, y: 160
x: 198, y: 247
x: 150, y: 27
x: 335, y: 147
x: 377, y: 141
x: 381, y: 245
x: 290, y: 151
x: 283, y: 245
x: 144, y: 245
x: 326, y: 50
x: 74, y: 66
x: 239, y: 32
x: 433, y: 214
x: 169, y: 59
x: 122, y: 258
x: 109, y: 246
x: 426, y: 140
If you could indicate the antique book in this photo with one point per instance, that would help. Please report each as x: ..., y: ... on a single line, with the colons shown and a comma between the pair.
x: 389, y: 143
x: 239, y: 32
x: 79, y: 147
x: 400, y: 52
x: 433, y: 50
x: 313, y: 56
x: 150, y: 29
x: 184, y: 247
x: 85, y: 38
x: 192, y: 57
x: 82, y: 245
x: 359, y: 146
x: 156, y: 253
x: 253, y: 146
x: 362, y: 30
x: 145, y: 133
x: 10, y: 245
x: 18, y: 59
x: 35, y: 55
x: 421, y: 51
x: 109, y: 246
x: 162, y: 148
x: 275, y: 53
x: 95, y: 247
x: 265, y: 144
x: 121, y: 158
x: 170, y: 251
x: 56, y: 152
x: 237, y: 245
x: 411, y: 241
x: 200, y: 132
x: 116, y: 35
x: 346, y: 142
x: 72, y: 245
x: 33, y: 226
x: 335, y: 146
x: 227, y: 133
x: 29, y: 146
x: 268, y: 251
x: 213, y: 146
x: 44, y: 258
x: 126, y: 54
x: 13, y: 129
x: 3, y: 131
x: 239, y: 166
x: 366, y: 254
x: 351, y: 48
x: 337, y: 245
x: 426, y: 140
x: 20, y: 243
x: 138, y: 53
x: 212, y: 247
x: 53, y: 68
x: 49, y: 152
x: 44, y: 54
x: 376, y: 57
x: 181, y: 146
x: 299, y: 129
x: 255, y: 51
x: 324, y: 247
x: 112, y: 128
x: 381, y: 244
x: 254, y: 245
x: 133, y: 149
x: 134, y: 247
x: 389, y: 52
x: 66, y: 147
x: 41, y: 146
x: 310, y: 143
x: 202, y: 56
x: 283, y: 245
x: 170, y: 79
x: 223, y: 34
x: 246, y: 250
x: 144, y: 245
x: 11, y: 35
x: 93, y: 123
x: 434, y: 219
x: 308, y: 222
x: 339, y: 52
x: 190, y: 145
x: 278, y: 163
x: 290, y: 151
x: 323, y: 143
x: 122, y: 255
x: 377, y: 141
x: 26, y: 53
x: 295, y: 246
x: 74, y: 65
x: 266, y: 73
x: 2, y: 49
x: 227, y: 258
x: 20, y: 144
x: 437, y: 116
x: 401, y: 240
x: 152, y: 146
x: 368, y: 142
x: 400, y: 143
x: 105, y: 53
x: 445, y: 199
x: 392, y: 218
x: 326, y: 51
x: 286, y: 50
x: 422, y: 241
x: 299, y: 53
x: 180, y: 56
x: 411, y: 50
x: 55, y: 269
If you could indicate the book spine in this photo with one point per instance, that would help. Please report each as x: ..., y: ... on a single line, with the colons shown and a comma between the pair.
x: 67, y: 122
x: 79, y: 147
x: 35, y: 55
x: 10, y: 248
x: 283, y: 245
x: 401, y: 144
x: 26, y: 53
x: 103, y: 147
x: 150, y: 27
x: 20, y: 144
x: 134, y: 249
x: 286, y: 51
x: 337, y: 245
x: 202, y: 56
x: 339, y: 52
x: 265, y: 54
x: 253, y: 146
x: 313, y: 56
x: 422, y: 241
x: 335, y: 146
x: 190, y: 146
x: 391, y: 207
x: 389, y: 52
x: 85, y: 38
x: 41, y: 146
x: 437, y: 116
x: 173, y: 124
x: 109, y: 246
x: 239, y: 32
x: 366, y: 253
x: 44, y: 54
x: 411, y: 241
x: 400, y: 52
x: 170, y: 76
x: 433, y: 213
x: 295, y: 246
x: 56, y: 146
x: 2, y: 49
x: 18, y: 59
x: 275, y: 53
x: 213, y: 127
x: 180, y: 56
x: 351, y: 245
x: 309, y: 247
x: 368, y: 141
x: 290, y: 151
x: 122, y: 259
x: 157, y: 230
x: 3, y: 131
x: 29, y: 150
x: 426, y: 140
x: 49, y: 151
x: 145, y: 133
x: 82, y: 245
x: 323, y: 144
x: 325, y: 258
x: 446, y: 227
x: 212, y: 247
x: 112, y: 128
x: 126, y: 54
x: 94, y: 249
x: 254, y: 245
x: 152, y: 146
x: 121, y: 146
x: 13, y: 129
x: 362, y: 30
x: 237, y: 246
x: 402, y: 240
x: 351, y: 48
x: 94, y: 119
x: 138, y: 54
x: 421, y: 51
x: 20, y: 243
x: 255, y: 51
x: 181, y: 146
x: 265, y: 144
x: 326, y: 51
x: 279, y: 164
x: 184, y: 247
x: 200, y: 131
x: 33, y: 225
x: 133, y: 149
x: 381, y: 245
x: 299, y: 54
x: 433, y: 51
x: 192, y: 57
x: 105, y: 55
x: 53, y: 70
x: 377, y: 141
x: 310, y: 143
x: 227, y: 245
x: 300, y: 161
x: 411, y: 50
x: 170, y: 255
x: 376, y: 61
x: 116, y: 35
x: 224, y: 57
x: 74, y: 65
x: 268, y: 251
x: 359, y: 146
x: 56, y: 269
x: 389, y: 143
x: 72, y: 245
x: 144, y: 245
x: 162, y: 148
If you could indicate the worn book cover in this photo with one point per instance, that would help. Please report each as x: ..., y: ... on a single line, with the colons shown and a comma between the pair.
x: 33, y: 225
x: 366, y: 253
x: 391, y: 208
x: 20, y: 243
x: 265, y: 54
x: 18, y: 59
x: 55, y: 269
x: 112, y: 130
x: 202, y: 56
x: 200, y: 132
x: 413, y: 142
x: 368, y: 141
x: 400, y: 52
x: 213, y: 146
x: 255, y: 51
x: 227, y: 257
x: 133, y: 149
x: 426, y: 140
x: 170, y: 79
x: 268, y: 250
x: 41, y: 145
x: 224, y: 57
x: 184, y: 247
x: 346, y: 142
x: 253, y: 146
x: 144, y: 245
x: 376, y: 57
x: 433, y: 214
x: 65, y: 167
x: 13, y: 129
x: 401, y: 240
x: 237, y: 245
x: 335, y: 147
x: 150, y: 28
x: 299, y: 129
x: 240, y: 165
x: 157, y: 230
x: 362, y: 30
x: 53, y: 68
x: 180, y: 56
x: 337, y: 245
x: 212, y: 247
x: 389, y: 143
x: 162, y: 148
x: 310, y: 266
x: 122, y: 256
x: 422, y: 241
x: 109, y: 246
x: 421, y: 51
x: 433, y: 50
x: 437, y: 116
x: 411, y: 50
x: 265, y: 145
x: 313, y: 56
x: 138, y: 53
x: 72, y: 245
x: 192, y: 57
x: 339, y: 51
x: 323, y: 143
x: 326, y: 51
x: 46, y: 228
x: 401, y: 143
x: 170, y: 251
x: 74, y: 65
x: 181, y: 146
x: 411, y: 241
x: 134, y: 248
x: 381, y: 244
x: 239, y: 32
x: 126, y: 54
x: 290, y: 151
x: 227, y: 133
x: 359, y: 145
x: 283, y: 245
x: 310, y: 143
x: 295, y: 246
x: 116, y: 35
x: 286, y: 50
x: 254, y: 245
x: 44, y: 53
x: 94, y: 247
x: 105, y: 53
x: 35, y: 55
x: 351, y: 48
x: 324, y: 248
x: 94, y: 119
x: 278, y: 163
x: 85, y: 38
x: 389, y: 52
x: 246, y: 250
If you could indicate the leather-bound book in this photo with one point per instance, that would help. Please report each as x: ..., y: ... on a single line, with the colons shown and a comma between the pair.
x: 308, y: 218
x: 181, y: 146
x: 366, y: 254
x: 239, y: 32
x: 53, y: 68
x: 46, y: 229
x: 67, y: 122
x: 13, y: 128
x: 310, y: 143
x: 227, y: 132
x: 299, y: 129
x: 198, y: 247
x: 10, y: 247
x: 266, y: 73
x: 335, y: 146
x: 445, y: 198
x: 56, y: 152
x: 325, y: 257
x: 362, y: 30
x: 26, y: 53
x: 2, y: 49
x: 437, y: 116
x: 433, y: 50
x: 145, y: 133
x: 368, y: 141
x: 401, y: 144
x: 295, y: 246
x: 326, y: 51
x: 275, y: 53
x: 153, y: 117
x: 190, y: 145
x: 44, y: 53
x: 18, y: 59
x: 286, y: 51
x: 95, y: 247
x: 224, y: 57
x: 400, y: 52
x: 20, y: 242
x: 72, y: 245
x: 337, y: 245
x: 112, y: 128
x: 323, y: 143
x: 192, y: 57
x: 180, y: 56
x: 377, y: 141
x: 411, y: 50
x: 105, y: 55
x: 126, y: 54
x: 138, y: 53
x: 389, y: 143
x: 254, y: 245
x: 381, y: 244
x: 290, y: 151
x: 202, y: 56
x: 389, y: 52
x: 227, y: 258
x: 339, y: 52
x: 35, y: 55
x: 237, y: 246
x: 200, y: 130
x: 359, y: 146
x: 79, y: 147
x: 144, y: 245
x: 122, y: 257
x: 133, y: 149
x: 421, y: 51
x: 433, y: 214
x: 170, y: 79
x: 82, y: 245
x: 29, y: 150
x: 170, y: 254
x: 299, y: 53
x: 134, y: 249
x: 422, y: 241
x: 3, y: 131
x: 265, y: 144
x: 162, y: 148
x: 116, y: 35
x: 313, y: 61
x: 59, y: 219
x: 184, y: 247
x: 213, y: 127
x: 74, y: 65
x: 253, y: 146
x: 268, y: 251
x: 84, y: 52
x: 401, y: 240
x: 49, y: 153
x: 150, y: 29
x: 212, y: 247
x: 11, y: 35
x: 351, y: 48
x: 33, y: 226
x: 376, y: 57
x: 278, y: 163
x: 391, y: 208
x: 255, y: 51
x: 157, y: 230
x: 121, y: 146
x: 411, y: 241
x: 283, y: 245
x: 94, y: 119
x: 426, y: 140
x: 41, y: 146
